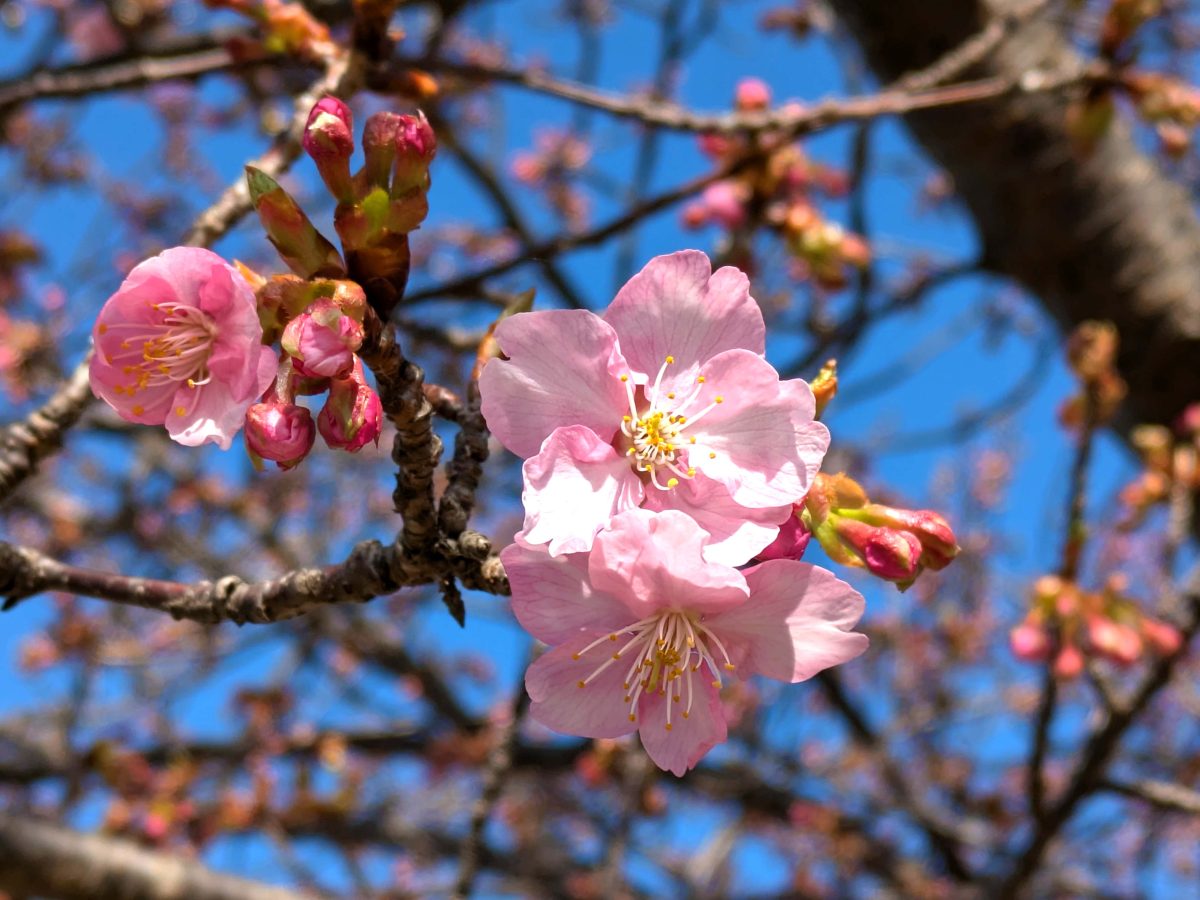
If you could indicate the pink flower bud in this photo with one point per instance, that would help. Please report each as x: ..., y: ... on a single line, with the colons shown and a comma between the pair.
x: 416, y: 145
x: 792, y: 540
x: 1163, y: 638
x: 725, y: 203
x: 323, y: 340
x: 887, y: 553
x: 1069, y: 662
x: 752, y: 93
x: 352, y: 417
x: 1030, y: 641
x: 379, y: 147
x: 1117, y: 642
x: 329, y: 140
x: 935, y: 534
x: 281, y: 432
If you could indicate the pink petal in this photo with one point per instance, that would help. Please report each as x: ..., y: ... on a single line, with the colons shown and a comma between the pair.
x: 760, y: 441
x: 598, y: 710
x: 688, y: 740
x: 736, y: 533
x: 673, y: 307
x: 210, y: 413
x: 575, y: 484
x: 186, y: 270
x: 553, y: 599
x: 562, y: 369
x: 796, y: 623
x: 655, y: 560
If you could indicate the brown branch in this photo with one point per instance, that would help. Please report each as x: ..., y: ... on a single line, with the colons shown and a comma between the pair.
x: 26, y: 443
x: 945, y: 836
x: 183, y: 60
x: 38, y: 858
x: 370, y: 571
x: 1163, y: 794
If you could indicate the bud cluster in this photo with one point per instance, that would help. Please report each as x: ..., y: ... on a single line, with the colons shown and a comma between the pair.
x: 893, y: 544
x: 319, y: 324
x: 1067, y: 624
x: 287, y: 29
x: 780, y: 191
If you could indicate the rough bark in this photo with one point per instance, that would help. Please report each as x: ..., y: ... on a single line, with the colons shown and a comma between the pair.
x: 1105, y: 235
x: 44, y: 860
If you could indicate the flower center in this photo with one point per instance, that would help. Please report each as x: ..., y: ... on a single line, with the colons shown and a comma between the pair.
x: 174, y: 349
x: 656, y: 429
x: 664, y: 650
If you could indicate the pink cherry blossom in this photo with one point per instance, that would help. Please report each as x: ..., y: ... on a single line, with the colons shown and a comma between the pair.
x: 179, y: 344
x: 280, y: 431
x: 352, y: 417
x: 665, y: 401
x: 323, y: 340
x: 645, y: 627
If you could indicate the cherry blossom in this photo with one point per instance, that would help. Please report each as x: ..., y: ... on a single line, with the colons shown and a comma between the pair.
x: 179, y: 344
x: 666, y: 401
x: 645, y: 628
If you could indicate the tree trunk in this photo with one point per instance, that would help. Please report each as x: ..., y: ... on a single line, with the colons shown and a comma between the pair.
x: 1098, y: 236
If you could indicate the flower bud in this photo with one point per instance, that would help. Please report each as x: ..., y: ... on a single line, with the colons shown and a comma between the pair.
x: 1030, y: 641
x: 1069, y: 662
x: 416, y: 145
x: 752, y: 94
x: 1163, y: 638
x: 306, y: 251
x: 1117, y: 642
x: 792, y: 540
x: 824, y: 386
x: 352, y: 416
x: 281, y: 432
x: 934, y: 532
x: 329, y: 140
x: 322, y: 341
x: 379, y: 147
x: 885, y: 553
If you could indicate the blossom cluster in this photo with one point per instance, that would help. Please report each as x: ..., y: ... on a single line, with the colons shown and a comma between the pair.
x: 1066, y: 623
x: 662, y: 454
x: 187, y: 341
x: 781, y: 192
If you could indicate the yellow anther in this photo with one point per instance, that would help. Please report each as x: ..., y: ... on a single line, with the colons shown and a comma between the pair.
x: 670, y: 359
x: 626, y: 418
x: 671, y: 395
x: 138, y: 410
x: 692, y: 439
x: 686, y: 714
x: 102, y: 329
x: 616, y: 656
x: 612, y: 637
x: 712, y: 456
x: 691, y: 473
x: 624, y: 377
x: 700, y: 379
x: 632, y: 717
x: 730, y: 666
x: 668, y: 726
x: 576, y: 657
x: 716, y: 684
x: 719, y: 399
x: 583, y: 684
x: 671, y: 482
x: 180, y: 411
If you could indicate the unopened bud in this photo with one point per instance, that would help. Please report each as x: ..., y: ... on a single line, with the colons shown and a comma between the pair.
x: 752, y: 94
x: 416, y: 146
x: 379, y: 147
x: 322, y: 341
x: 791, y: 542
x: 885, y: 553
x: 302, y: 247
x: 329, y: 140
x: 1163, y: 638
x: 281, y: 432
x: 1030, y: 641
x: 352, y: 417
x: 937, y: 538
x: 1069, y: 662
